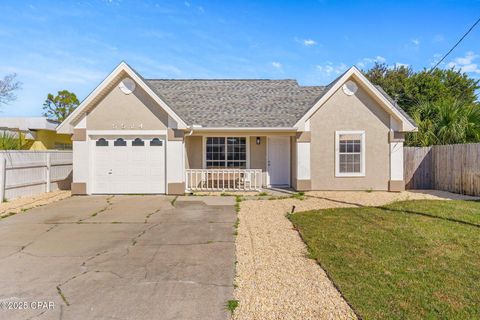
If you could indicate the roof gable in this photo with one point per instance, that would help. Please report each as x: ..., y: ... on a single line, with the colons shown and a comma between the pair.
x: 121, y: 71
x: 380, y: 95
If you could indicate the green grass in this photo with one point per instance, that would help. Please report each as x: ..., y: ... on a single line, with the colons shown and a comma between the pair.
x: 231, y: 305
x: 408, y: 260
x: 238, y: 199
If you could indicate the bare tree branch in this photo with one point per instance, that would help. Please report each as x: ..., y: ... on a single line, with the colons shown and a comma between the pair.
x: 7, y: 88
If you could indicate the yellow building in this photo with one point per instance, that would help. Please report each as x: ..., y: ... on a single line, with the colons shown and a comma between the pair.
x: 37, y: 133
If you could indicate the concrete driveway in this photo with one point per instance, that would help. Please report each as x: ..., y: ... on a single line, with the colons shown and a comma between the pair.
x: 119, y: 257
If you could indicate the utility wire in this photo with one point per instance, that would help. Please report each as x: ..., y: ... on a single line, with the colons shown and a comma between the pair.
x: 456, y: 44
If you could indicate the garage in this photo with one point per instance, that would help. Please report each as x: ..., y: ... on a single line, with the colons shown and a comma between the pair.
x: 128, y: 165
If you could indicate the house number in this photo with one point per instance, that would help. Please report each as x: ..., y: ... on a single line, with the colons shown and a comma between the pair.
x: 127, y: 126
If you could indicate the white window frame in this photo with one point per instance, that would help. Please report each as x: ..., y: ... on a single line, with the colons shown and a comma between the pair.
x: 362, y: 154
x: 204, y: 148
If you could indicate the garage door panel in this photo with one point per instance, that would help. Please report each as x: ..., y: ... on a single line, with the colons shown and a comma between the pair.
x: 129, y: 169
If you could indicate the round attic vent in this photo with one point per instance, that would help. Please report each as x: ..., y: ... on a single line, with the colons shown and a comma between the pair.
x: 349, y: 88
x: 127, y: 85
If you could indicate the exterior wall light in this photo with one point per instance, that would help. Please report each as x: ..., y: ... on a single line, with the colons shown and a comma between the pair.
x: 258, y: 140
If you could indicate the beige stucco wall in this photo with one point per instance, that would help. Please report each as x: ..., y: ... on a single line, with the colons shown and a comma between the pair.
x: 193, y: 152
x: 136, y: 111
x: 357, y: 112
x: 258, y: 153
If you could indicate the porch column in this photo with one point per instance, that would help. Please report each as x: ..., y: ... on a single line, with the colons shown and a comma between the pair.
x: 81, y: 159
x: 175, y: 162
x: 396, y: 182
x: 302, y: 159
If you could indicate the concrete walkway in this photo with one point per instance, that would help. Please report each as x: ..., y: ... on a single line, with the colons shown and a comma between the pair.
x: 121, y: 257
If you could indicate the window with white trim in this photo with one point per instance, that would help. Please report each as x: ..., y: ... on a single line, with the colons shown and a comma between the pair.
x: 350, y: 154
x: 226, y: 152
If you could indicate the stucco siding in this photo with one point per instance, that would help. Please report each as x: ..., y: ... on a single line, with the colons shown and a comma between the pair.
x: 193, y: 149
x: 135, y: 111
x: 258, y: 153
x: 357, y: 112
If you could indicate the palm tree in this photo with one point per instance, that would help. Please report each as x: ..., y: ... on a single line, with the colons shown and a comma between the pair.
x: 445, y: 122
x: 11, y: 140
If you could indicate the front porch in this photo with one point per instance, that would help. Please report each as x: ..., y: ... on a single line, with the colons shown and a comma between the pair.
x: 239, y: 161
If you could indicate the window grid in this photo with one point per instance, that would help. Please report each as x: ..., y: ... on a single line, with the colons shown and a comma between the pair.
x: 226, y: 152
x: 350, y: 158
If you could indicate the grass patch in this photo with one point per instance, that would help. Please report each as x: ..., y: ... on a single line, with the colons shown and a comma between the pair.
x: 408, y: 260
x: 231, y: 305
x: 238, y: 199
x: 262, y: 194
x: 9, y: 214
x: 299, y: 195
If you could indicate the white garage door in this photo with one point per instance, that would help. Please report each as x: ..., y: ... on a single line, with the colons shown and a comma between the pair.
x: 129, y: 165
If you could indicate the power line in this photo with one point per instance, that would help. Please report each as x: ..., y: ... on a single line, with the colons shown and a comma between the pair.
x: 456, y: 44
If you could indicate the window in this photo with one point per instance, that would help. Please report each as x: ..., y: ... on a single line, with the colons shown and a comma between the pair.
x: 138, y: 143
x: 155, y: 142
x: 226, y: 152
x: 101, y: 143
x: 350, y: 154
x: 120, y: 143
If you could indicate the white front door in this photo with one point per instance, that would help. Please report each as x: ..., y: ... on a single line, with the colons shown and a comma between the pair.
x: 134, y: 165
x: 278, y: 161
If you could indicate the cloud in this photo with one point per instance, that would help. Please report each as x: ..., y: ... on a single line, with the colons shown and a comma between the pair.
x: 399, y: 64
x: 332, y: 69
x: 465, y: 63
x: 365, y: 62
x: 309, y: 42
x: 277, y: 65
x: 416, y: 42
x: 306, y: 42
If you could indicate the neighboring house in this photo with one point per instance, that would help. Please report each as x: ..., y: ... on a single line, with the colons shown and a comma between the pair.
x: 134, y: 135
x: 38, y: 133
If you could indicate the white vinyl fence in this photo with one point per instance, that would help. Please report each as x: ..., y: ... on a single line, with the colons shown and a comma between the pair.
x: 27, y: 173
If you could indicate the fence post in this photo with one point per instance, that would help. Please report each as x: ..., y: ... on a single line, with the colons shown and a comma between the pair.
x: 3, y: 177
x: 48, y: 167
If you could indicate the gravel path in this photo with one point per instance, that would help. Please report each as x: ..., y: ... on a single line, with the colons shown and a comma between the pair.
x: 275, y: 279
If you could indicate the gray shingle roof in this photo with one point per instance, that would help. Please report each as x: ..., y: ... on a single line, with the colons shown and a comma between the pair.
x: 237, y: 103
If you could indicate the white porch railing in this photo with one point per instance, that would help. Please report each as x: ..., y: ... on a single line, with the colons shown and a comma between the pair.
x: 223, y: 179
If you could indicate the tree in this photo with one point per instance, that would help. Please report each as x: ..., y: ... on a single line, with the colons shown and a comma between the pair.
x: 7, y: 88
x: 10, y: 140
x: 60, y: 106
x: 410, y: 88
x: 445, y: 122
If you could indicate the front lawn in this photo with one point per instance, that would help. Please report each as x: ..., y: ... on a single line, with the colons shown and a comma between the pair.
x: 408, y: 260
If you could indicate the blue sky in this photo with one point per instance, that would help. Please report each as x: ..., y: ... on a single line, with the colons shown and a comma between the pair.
x: 73, y: 45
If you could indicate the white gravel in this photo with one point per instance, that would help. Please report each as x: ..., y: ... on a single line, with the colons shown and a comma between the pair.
x: 275, y: 279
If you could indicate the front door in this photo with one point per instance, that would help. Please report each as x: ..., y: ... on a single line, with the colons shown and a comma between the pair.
x: 278, y: 160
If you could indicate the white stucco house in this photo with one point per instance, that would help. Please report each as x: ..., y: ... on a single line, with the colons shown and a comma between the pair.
x: 136, y: 135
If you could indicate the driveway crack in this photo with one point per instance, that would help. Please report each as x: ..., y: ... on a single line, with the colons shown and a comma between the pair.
x: 109, y: 204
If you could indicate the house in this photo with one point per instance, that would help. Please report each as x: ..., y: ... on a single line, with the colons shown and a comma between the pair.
x: 136, y: 135
x: 37, y: 133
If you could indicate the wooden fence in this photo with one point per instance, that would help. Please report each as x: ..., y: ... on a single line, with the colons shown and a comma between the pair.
x: 26, y: 173
x: 454, y: 168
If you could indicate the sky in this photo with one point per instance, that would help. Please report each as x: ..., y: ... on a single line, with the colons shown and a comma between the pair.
x: 74, y: 45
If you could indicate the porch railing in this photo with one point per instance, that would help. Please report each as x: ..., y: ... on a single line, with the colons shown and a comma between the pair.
x: 223, y: 179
